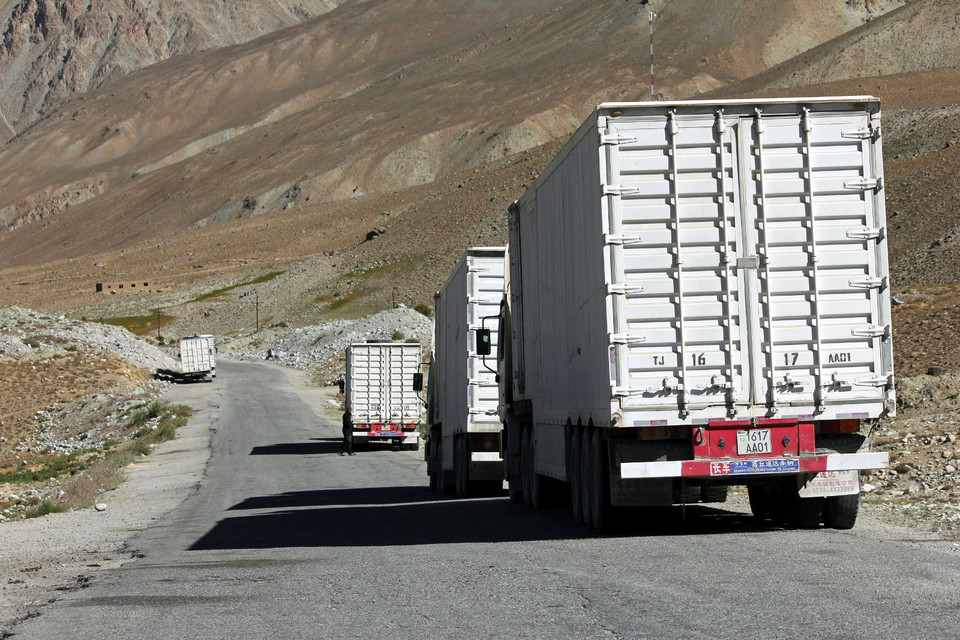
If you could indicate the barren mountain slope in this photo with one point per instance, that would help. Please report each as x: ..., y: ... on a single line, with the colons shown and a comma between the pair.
x: 340, y: 126
x: 370, y: 97
x: 52, y: 49
x: 921, y: 35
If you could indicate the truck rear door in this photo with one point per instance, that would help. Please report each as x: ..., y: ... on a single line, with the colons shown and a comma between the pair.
x: 747, y: 260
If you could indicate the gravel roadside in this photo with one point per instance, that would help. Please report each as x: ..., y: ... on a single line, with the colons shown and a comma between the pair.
x: 61, y: 552
x: 48, y: 555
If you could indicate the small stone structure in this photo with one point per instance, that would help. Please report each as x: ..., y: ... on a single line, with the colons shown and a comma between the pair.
x: 126, y: 287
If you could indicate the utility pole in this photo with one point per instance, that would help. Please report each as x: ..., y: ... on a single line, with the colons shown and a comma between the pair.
x: 651, y: 15
x: 257, y: 304
x: 158, y: 324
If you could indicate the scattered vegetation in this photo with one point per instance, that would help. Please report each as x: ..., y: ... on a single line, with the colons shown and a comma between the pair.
x: 424, y: 309
x: 397, y: 336
x: 54, y: 467
x: 140, y: 325
x: 267, y: 277
x: 94, y: 471
x: 359, y: 293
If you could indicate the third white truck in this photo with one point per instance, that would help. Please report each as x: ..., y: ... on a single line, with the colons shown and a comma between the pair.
x: 381, y: 392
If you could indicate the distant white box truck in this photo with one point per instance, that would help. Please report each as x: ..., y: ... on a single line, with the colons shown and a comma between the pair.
x: 198, y: 358
x: 463, y: 449
x: 699, y: 297
x: 381, y: 394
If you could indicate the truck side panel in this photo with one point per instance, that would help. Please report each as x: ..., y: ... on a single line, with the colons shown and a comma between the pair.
x: 467, y: 393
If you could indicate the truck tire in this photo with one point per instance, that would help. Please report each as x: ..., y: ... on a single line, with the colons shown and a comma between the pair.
x: 713, y: 493
x: 461, y: 467
x: 511, y: 458
x: 602, y: 511
x: 761, y: 502
x: 576, y: 479
x: 526, y: 467
x: 840, y: 512
x: 586, y: 476
x: 457, y: 481
x: 539, y: 486
x: 806, y: 513
x: 444, y: 480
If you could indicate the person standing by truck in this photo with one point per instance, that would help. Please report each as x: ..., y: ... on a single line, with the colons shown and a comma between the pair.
x: 347, y: 444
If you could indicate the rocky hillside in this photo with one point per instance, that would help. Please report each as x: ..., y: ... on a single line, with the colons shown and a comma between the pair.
x: 359, y: 162
x: 53, y: 49
x: 348, y: 104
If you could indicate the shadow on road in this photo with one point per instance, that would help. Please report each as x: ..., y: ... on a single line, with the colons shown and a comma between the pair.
x: 317, y: 446
x: 403, y: 516
x: 338, y: 497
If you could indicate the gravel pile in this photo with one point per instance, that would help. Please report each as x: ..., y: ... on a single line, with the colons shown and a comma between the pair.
x: 69, y: 386
x: 322, y: 346
x: 28, y: 334
x: 922, y: 485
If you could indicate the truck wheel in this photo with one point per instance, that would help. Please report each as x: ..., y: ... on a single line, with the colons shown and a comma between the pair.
x: 713, y: 493
x: 576, y: 480
x: 586, y: 476
x: 526, y: 465
x: 805, y: 513
x: 514, y: 483
x: 460, y: 469
x: 760, y: 502
x: 444, y: 481
x: 467, y: 485
x: 840, y: 512
x: 602, y: 511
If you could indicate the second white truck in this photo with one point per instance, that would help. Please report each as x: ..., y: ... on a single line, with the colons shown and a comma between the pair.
x: 463, y: 448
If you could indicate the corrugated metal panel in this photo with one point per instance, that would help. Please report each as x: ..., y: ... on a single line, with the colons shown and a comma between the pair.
x: 379, y: 383
x: 468, y: 394
x: 680, y: 262
x: 196, y: 354
x: 754, y: 280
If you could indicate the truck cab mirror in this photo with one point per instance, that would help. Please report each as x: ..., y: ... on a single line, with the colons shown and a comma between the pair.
x: 418, y: 382
x: 341, y: 384
x: 483, y: 342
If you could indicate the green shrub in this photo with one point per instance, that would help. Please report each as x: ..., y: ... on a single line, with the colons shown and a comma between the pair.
x: 43, y: 508
x: 424, y: 309
x: 396, y: 336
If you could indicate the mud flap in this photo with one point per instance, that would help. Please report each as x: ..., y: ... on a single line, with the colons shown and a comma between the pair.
x: 830, y: 483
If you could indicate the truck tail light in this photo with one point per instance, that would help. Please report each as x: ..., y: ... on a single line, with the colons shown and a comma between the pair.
x: 839, y: 426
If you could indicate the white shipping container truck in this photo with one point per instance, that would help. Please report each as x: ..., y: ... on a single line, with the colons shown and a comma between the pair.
x: 699, y: 297
x: 380, y: 392
x: 463, y: 449
x: 198, y: 358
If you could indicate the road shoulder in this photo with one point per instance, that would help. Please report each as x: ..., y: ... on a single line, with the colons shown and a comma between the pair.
x: 46, y: 556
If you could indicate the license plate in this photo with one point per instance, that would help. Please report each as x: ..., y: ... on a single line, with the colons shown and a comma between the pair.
x: 753, y: 442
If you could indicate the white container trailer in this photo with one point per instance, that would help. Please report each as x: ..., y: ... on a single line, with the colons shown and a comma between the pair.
x: 463, y: 450
x: 380, y: 393
x: 699, y: 298
x: 198, y: 358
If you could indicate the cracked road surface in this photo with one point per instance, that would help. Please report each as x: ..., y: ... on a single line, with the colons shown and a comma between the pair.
x: 286, y: 539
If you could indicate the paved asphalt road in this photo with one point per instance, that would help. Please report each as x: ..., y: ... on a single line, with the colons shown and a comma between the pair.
x: 285, y: 539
